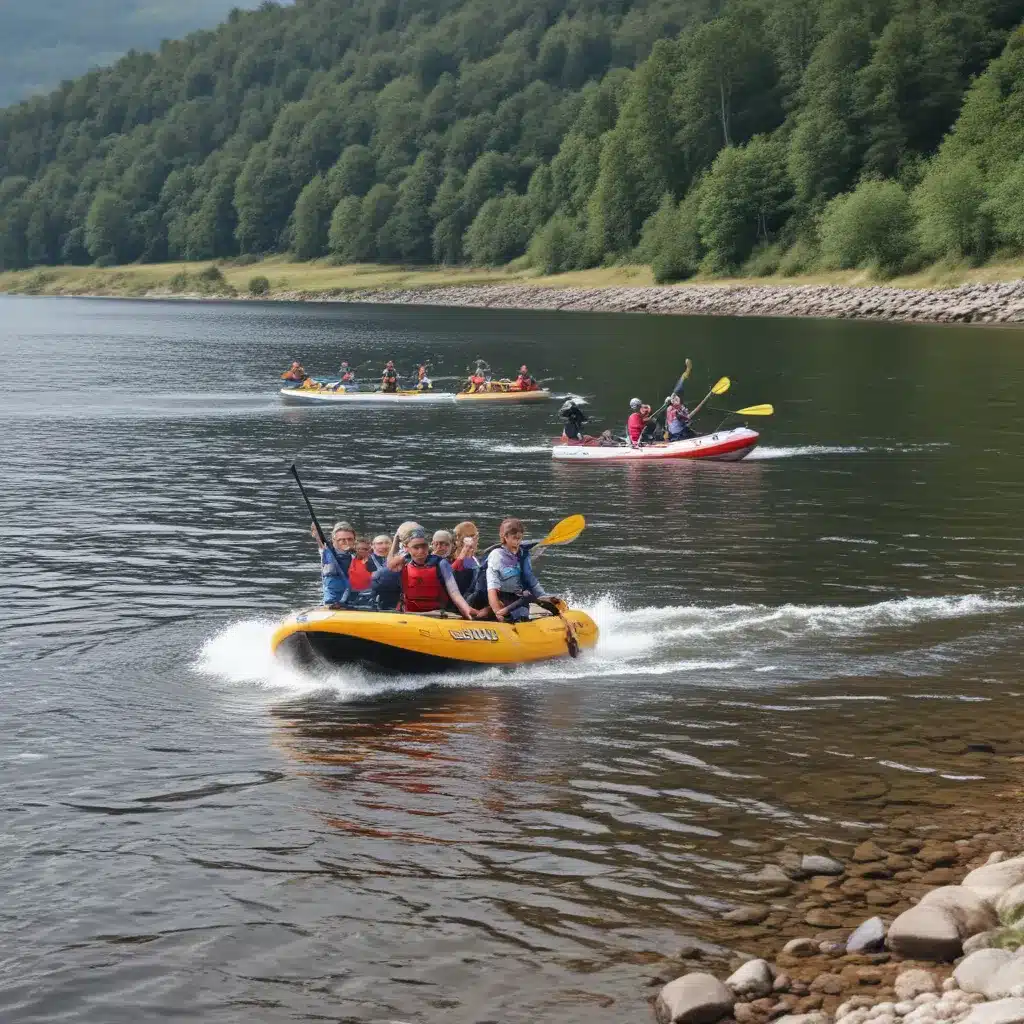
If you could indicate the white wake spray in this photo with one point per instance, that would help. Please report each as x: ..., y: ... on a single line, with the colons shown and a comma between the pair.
x: 725, y: 645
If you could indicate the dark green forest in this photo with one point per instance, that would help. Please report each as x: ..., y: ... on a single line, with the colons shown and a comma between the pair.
x: 748, y: 136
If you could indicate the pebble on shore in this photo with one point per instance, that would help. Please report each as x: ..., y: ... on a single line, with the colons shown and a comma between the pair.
x: 896, y: 972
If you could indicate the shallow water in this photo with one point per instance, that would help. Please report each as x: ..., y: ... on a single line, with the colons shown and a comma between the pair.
x: 794, y: 649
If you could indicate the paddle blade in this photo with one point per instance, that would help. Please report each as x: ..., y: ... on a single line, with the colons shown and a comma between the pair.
x: 565, y: 532
x: 757, y: 410
x: 722, y: 386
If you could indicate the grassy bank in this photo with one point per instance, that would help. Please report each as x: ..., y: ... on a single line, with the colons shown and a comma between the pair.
x: 310, y: 280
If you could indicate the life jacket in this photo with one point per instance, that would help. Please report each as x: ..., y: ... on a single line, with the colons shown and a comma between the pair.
x: 423, y: 590
x: 635, y: 427
x: 347, y: 377
x: 524, y: 382
x: 359, y: 577
x: 334, y: 569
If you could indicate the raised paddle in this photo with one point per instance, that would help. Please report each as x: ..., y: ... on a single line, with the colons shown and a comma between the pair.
x: 751, y: 410
x: 316, y: 522
x: 677, y: 390
x: 721, y: 386
x: 564, y: 532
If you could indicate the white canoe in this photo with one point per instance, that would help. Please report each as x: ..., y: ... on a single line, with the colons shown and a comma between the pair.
x: 343, y: 397
x: 723, y: 445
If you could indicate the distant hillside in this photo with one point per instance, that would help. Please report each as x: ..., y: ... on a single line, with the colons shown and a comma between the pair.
x: 741, y: 136
x: 43, y: 42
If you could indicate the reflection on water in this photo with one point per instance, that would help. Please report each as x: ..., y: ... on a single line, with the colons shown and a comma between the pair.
x: 796, y: 650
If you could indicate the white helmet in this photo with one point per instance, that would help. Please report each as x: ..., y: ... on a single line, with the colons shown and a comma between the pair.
x: 635, y: 403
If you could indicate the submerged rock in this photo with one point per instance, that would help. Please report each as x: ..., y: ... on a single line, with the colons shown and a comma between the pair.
x: 816, y: 864
x: 800, y: 947
x: 747, y: 915
x: 911, y: 984
x: 868, y: 937
x: 696, y: 998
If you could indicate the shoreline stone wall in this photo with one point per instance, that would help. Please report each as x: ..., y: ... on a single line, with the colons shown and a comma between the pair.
x: 1001, y: 303
x: 997, y: 303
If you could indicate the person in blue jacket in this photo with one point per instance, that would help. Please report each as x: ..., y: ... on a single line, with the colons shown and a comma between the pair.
x: 510, y: 577
x: 335, y: 562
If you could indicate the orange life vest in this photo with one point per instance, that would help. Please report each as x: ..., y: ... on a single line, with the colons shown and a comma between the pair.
x: 359, y: 577
x: 423, y: 590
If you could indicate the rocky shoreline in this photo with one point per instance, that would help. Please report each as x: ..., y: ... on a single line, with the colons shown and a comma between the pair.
x: 946, y: 947
x: 996, y: 303
x: 1001, y: 303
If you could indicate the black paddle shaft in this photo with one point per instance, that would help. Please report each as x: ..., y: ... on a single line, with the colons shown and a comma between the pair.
x: 316, y: 522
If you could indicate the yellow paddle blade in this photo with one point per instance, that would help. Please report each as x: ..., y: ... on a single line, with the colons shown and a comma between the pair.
x: 722, y: 386
x: 757, y: 410
x: 564, y: 532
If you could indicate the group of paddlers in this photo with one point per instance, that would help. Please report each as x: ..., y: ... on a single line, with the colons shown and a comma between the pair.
x: 480, y: 379
x: 644, y: 425
x: 389, y: 378
x: 408, y: 572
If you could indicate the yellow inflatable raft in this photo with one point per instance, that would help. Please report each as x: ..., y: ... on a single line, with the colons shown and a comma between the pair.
x: 503, y: 396
x: 396, y: 642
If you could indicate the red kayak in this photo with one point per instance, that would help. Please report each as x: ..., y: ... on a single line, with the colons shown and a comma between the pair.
x: 724, y: 445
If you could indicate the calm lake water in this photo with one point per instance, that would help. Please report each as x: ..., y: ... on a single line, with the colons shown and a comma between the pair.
x: 793, y: 648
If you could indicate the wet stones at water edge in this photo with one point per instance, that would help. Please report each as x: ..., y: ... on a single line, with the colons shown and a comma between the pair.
x: 972, y: 303
x: 955, y: 957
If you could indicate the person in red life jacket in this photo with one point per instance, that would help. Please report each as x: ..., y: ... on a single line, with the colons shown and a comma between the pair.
x: 389, y: 378
x: 638, y: 417
x: 347, y: 374
x: 295, y: 373
x: 524, y: 382
x: 360, y: 577
x: 677, y: 420
x: 428, y: 584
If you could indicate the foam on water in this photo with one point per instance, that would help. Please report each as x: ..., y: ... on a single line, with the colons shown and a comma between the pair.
x: 763, y: 452
x: 656, y: 641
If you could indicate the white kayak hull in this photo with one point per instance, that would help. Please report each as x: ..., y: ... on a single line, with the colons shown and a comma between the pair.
x: 342, y: 397
x: 723, y: 446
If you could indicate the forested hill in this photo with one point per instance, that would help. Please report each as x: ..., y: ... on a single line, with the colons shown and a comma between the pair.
x: 749, y: 135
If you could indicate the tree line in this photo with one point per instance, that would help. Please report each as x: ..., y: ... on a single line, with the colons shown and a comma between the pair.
x: 747, y: 136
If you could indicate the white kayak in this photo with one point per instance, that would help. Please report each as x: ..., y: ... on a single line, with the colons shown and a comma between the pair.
x: 723, y: 445
x: 341, y: 396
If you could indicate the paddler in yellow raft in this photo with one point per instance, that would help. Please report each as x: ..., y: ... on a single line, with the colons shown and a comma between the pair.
x: 513, y: 622
x: 480, y: 381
